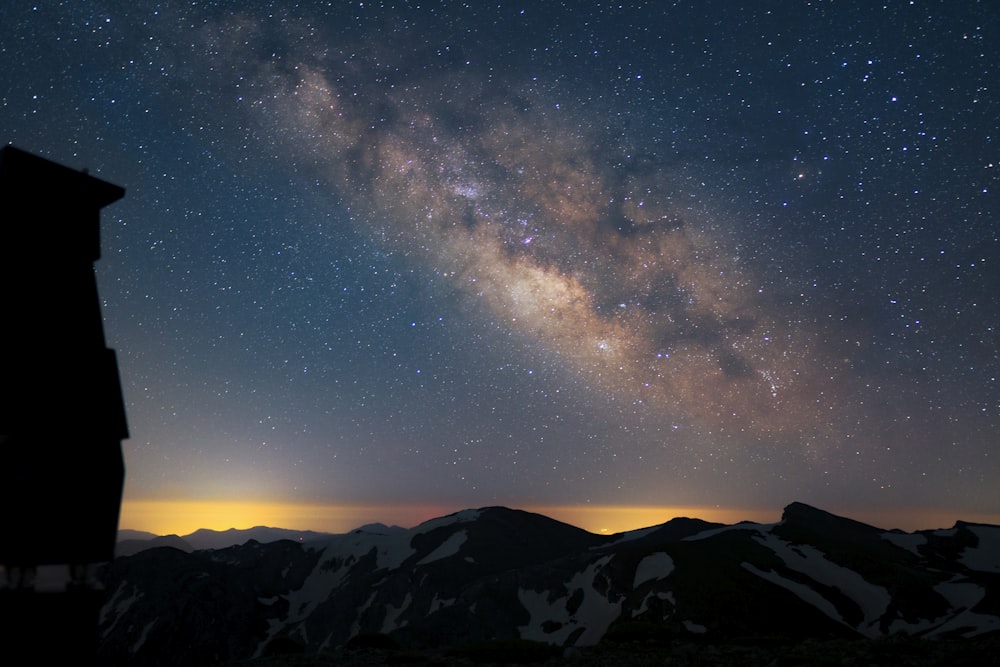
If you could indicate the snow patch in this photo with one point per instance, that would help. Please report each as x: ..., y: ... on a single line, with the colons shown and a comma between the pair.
x: 986, y: 556
x: 644, y: 606
x: 657, y: 565
x: 697, y: 629
x: 117, y: 607
x: 318, y: 586
x: 712, y: 532
x: 806, y: 594
x: 437, y: 604
x: 810, y: 561
x: 595, y: 613
x: 465, y: 516
x: 447, y: 548
x: 627, y: 536
x: 915, y: 628
x: 392, y: 614
x: 356, y: 624
x: 142, y: 638
x: 908, y: 541
x: 391, y: 548
x: 963, y: 596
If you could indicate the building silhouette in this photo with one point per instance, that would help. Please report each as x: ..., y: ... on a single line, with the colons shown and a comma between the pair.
x: 62, y: 417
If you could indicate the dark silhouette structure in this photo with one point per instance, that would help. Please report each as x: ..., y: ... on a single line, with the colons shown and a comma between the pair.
x: 62, y: 418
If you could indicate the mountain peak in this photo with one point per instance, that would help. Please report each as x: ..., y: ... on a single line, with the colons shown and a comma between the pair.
x: 796, y: 510
x: 798, y: 513
x: 379, y: 529
x: 802, y: 523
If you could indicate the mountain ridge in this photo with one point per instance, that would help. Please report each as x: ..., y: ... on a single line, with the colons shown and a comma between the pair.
x: 495, y: 573
x: 131, y: 541
x: 209, y: 538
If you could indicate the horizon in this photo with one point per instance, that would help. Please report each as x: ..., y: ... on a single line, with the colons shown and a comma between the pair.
x: 162, y: 517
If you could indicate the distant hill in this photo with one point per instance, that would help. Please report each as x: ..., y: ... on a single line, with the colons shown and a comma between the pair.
x: 131, y: 542
x: 127, y: 534
x: 479, y: 577
x: 130, y: 547
x: 220, y: 539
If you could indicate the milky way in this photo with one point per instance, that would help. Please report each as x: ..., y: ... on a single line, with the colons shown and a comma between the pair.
x: 591, y: 249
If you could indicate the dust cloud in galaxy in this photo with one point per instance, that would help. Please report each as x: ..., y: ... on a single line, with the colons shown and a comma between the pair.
x: 545, y: 217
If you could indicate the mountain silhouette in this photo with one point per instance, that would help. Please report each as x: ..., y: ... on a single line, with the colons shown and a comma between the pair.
x: 500, y: 575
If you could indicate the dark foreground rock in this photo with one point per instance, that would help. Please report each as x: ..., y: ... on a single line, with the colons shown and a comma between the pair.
x: 893, y: 652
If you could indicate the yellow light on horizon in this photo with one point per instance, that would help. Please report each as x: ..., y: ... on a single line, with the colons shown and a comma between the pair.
x: 611, y: 519
x: 182, y: 517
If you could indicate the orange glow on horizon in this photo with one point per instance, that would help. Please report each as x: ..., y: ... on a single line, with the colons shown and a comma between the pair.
x: 182, y: 517
x: 611, y: 519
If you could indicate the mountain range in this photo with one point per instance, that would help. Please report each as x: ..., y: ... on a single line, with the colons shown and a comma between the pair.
x: 494, y: 574
x: 131, y: 542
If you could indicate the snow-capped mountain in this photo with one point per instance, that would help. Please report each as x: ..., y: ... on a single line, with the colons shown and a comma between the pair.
x: 496, y: 573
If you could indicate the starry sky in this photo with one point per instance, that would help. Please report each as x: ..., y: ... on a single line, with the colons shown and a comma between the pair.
x: 437, y: 254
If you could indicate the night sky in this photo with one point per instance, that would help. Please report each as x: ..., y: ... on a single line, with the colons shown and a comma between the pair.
x: 538, y: 254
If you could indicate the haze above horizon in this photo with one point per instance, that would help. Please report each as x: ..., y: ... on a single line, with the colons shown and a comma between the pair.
x: 185, y: 517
